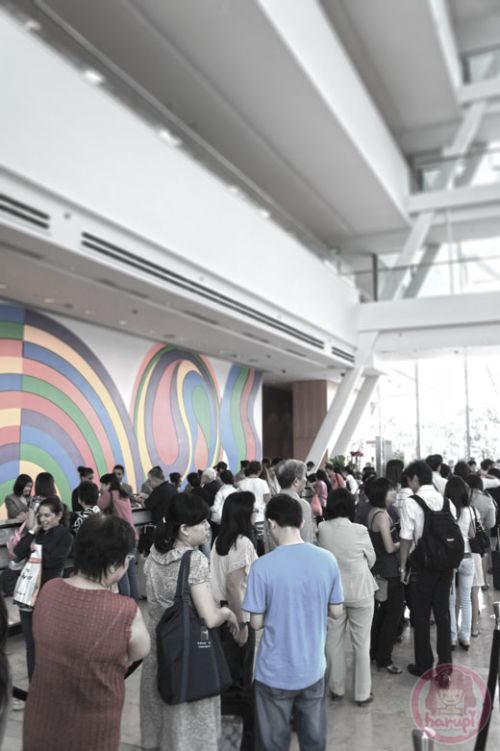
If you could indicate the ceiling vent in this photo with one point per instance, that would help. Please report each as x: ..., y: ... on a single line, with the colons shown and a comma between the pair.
x: 344, y: 355
x: 22, y: 251
x: 200, y: 317
x: 23, y: 213
x: 154, y: 270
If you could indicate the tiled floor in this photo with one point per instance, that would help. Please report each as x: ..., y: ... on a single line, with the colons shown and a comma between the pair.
x: 384, y: 725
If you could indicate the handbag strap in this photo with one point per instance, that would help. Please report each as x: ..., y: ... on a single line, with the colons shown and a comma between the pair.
x: 182, y: 578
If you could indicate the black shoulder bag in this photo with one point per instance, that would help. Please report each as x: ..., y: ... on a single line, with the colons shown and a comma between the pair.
x: 479, y: 543
x: 191, y: 663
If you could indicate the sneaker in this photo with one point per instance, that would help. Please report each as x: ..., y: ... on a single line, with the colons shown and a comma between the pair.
x: 17, y: 705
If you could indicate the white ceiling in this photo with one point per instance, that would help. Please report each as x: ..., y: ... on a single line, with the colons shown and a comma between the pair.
x: 222, y: 69
x: 465, y: 11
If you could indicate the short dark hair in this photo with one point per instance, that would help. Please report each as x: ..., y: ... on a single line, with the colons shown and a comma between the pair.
x: 174, y: 477
x: 102, y: 541
x: 422, y: 470
x: 85, y: 471
x: 45, y: 485
x: 461, y: 469
x: 119, y: 466
x: 340, y: 503
x: 221, y: 466
x: 114, y: 484
x: 156, y: 472
x: 20, y: 484
x: 474, y: 481
x: 434, y: 461
x: 244, y: 463
x: 285, y: 511
x: 445, y: 470
x: 486, y: 464
x: 88, y: 493
x: 376, y: 491
x: 193, y: 479
x: 185, y: 508
x: 253, y: 468
x: 227, y: 477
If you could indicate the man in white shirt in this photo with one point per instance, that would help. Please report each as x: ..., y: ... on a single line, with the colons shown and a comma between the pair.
x: 259, y: 487
x: 434, y: 461
x: 429, y: 589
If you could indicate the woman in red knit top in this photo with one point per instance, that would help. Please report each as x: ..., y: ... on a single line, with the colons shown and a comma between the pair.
x: 85, y: 637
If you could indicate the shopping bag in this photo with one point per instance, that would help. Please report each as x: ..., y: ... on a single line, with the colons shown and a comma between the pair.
x: 28, y: 584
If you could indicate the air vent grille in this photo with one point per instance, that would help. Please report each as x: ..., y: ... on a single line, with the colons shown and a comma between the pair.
x: 344, y: 355
x: 23, y: 212
x: 159, y: 272
x: 201, y: 317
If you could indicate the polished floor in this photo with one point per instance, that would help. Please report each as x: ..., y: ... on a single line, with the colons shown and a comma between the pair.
x: 384, y: 725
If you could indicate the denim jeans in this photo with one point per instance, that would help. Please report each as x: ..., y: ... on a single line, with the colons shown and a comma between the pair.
x: 274, y: 709
x: 465, y: 575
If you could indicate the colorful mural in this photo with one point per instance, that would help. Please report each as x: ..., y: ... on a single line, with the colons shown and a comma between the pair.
x: 59, y: 407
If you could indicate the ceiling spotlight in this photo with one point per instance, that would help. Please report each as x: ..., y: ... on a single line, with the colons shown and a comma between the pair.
x: 49, y: 299
x: 234, y: 190
x: 265, y: 214
x: 88, y: 312
x: 169, y: 137
x: 93, y: 76
x: 32, y: 25
x: 123, y: 322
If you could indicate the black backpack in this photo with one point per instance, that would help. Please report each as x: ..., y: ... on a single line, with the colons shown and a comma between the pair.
x: 441, y: 547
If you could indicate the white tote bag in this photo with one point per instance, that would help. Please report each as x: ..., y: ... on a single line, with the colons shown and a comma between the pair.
x: 28, y: 583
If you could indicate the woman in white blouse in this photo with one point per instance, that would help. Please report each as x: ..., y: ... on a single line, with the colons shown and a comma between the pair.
x: 351, y: 545
x: 457, y: 492
x: 231, y: 557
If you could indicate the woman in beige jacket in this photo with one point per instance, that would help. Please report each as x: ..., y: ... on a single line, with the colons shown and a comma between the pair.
x: 351, y: 545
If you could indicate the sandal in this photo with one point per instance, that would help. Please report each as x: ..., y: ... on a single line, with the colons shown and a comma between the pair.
x: 392, y: 669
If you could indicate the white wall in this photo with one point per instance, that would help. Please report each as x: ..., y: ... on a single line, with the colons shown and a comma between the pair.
x: 73, y: 139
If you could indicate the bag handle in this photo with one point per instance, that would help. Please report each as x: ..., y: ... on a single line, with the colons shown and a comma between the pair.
x: 373, y: 515
x: 182, y: 578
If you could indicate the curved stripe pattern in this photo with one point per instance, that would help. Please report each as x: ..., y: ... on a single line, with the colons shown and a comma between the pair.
x: 58, y: 404
x: 176, y: 410
x: 239, y: 434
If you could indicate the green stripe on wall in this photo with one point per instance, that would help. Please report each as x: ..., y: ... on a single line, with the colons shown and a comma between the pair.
x: 36, y: 386
x: 11, y: 330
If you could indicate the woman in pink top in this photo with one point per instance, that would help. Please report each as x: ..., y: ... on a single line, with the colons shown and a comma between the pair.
x: 322, y: 486
x: 114, y: 500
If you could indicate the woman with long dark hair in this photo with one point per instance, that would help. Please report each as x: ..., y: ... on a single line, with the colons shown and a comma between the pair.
x: 114, y: 500
x: 17, y: 502
x: 194, y: 725
x: 45, y: 487
x: 383, y: 535
x: 48, y: 528
x: 230, y: 560
x: 458, y: 493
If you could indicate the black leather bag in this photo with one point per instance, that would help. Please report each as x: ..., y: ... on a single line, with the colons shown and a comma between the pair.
x: 480, y: 542
x: 191, y: 663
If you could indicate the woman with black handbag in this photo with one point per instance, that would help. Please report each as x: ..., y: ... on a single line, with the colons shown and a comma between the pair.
x: 191, y: 725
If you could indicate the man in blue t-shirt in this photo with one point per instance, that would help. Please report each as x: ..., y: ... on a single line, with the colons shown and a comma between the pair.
x: 290, y: 593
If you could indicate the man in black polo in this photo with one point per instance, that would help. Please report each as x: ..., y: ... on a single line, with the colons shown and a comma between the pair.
x: 158, y: 502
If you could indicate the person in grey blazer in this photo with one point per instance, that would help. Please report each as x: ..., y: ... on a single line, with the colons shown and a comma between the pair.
x: 351, y: 545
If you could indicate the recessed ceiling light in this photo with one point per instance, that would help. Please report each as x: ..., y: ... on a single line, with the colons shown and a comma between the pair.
x: 88, y: 312
x: 32, y: 25
x: 234, y: 190
x: 3, y: 285
x: 93, y: 76
x: 49, y: 299
x: 123, y: 322
x: 169, y: 137
x: 265, y: 214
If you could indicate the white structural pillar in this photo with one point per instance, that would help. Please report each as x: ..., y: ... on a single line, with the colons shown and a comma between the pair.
x: 337, y: 423
x: 341, y: 444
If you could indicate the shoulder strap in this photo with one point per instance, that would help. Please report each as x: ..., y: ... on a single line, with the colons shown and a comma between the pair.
x: 372, y: 517
x: 182, y: 578
x: 420, y: 501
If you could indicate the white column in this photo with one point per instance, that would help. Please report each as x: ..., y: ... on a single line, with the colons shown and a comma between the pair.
x: 342, y: 443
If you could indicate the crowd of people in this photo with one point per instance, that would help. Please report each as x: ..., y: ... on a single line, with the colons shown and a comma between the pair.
x: 284, y: 560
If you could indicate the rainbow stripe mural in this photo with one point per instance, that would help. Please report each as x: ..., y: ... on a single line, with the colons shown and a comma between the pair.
x: 58, y: 405
x: 59, y: 408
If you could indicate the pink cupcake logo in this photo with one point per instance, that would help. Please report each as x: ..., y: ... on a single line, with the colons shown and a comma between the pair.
x: 450, y: 704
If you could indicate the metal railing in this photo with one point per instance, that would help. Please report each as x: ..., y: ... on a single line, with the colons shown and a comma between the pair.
x: 481, y: 166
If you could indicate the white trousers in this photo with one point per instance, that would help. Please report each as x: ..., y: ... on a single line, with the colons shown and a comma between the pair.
x: 359, y: 616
